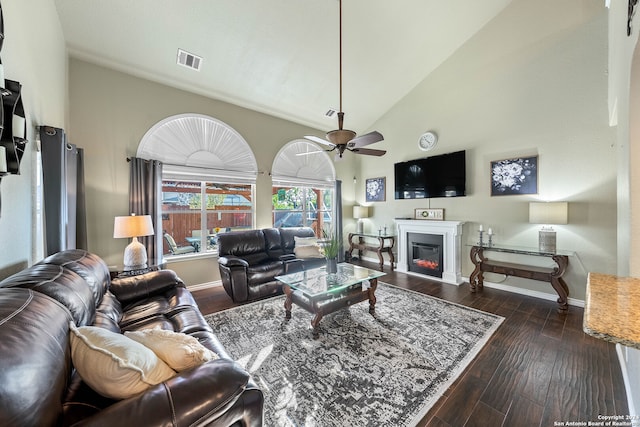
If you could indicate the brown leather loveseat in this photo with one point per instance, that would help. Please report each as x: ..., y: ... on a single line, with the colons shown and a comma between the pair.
x: 250, y: 260
x: 39, y: 384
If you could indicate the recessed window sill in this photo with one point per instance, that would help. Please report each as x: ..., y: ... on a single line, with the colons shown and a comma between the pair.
x: 169, y: 259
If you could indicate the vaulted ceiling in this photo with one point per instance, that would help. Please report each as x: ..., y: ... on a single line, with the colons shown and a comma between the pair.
x: 279, y: 57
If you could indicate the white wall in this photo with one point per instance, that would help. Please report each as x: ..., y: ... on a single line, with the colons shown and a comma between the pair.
x: 110, y: 113
x: 624, y: 97
x: 34, y: 54
x: 533, y: 81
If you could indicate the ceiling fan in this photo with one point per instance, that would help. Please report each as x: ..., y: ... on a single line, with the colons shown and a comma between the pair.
x: 344, y: 139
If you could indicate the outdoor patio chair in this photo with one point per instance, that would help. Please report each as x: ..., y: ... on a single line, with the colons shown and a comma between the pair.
x: 175, y: 249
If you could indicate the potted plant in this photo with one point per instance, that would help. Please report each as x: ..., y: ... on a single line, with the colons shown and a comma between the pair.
x: 330, y: 250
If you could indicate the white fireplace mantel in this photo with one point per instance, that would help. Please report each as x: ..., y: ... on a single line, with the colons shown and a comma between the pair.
x: 451, y: 232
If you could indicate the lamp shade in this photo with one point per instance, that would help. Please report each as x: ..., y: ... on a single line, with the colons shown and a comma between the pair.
x: 132, y: 226
x: 360, y: 212
x: 548, y: 212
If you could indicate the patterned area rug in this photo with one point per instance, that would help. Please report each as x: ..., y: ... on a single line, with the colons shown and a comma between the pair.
x: 362, y: 371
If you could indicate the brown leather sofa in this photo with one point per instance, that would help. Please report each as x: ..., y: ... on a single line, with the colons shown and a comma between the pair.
x: 39, y: 385
x: 250, y: 260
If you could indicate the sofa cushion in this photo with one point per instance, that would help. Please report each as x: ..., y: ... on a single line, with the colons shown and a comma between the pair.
x: 114, y: 365
x: 36, y: 361
x: 87, y: 265
x: 241, y: 243
x: 287, y: 236
x: 179, y: 351
x: 61, y: 284
x: 257, y: 274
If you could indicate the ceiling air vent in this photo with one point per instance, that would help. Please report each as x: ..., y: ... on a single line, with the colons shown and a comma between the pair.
x: 330, y: 112
x: 189, y: 60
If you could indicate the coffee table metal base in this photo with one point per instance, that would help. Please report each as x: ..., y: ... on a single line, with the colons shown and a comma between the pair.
x: 321, y: 307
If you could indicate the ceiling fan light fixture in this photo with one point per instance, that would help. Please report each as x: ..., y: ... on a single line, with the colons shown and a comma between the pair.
x: 342, y: 139
x: 340, y: 136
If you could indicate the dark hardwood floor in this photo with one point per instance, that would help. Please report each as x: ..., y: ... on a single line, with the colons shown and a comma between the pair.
x: 538, y: 368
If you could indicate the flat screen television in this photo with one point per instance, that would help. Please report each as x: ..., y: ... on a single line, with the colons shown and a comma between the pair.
x: 436, y: 176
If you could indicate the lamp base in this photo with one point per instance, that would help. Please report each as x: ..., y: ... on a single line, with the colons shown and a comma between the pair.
x: 135, y: 256
x: 547, y: 240
x: 360, y: 226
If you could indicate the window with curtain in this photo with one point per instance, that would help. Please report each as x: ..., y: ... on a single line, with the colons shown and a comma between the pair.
x: 208, y: 182
x: 298, y: 206
x: 195, y: 212
x: 304, y: 188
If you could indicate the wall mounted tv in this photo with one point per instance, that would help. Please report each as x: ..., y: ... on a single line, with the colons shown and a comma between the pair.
x: 436, y: 176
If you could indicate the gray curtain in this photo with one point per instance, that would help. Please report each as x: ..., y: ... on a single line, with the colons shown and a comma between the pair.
x: 338, y: 226
x: 63, y: 192
x: 145, y: 189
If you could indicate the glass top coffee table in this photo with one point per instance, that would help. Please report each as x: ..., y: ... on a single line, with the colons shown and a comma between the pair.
x: 321, y: 293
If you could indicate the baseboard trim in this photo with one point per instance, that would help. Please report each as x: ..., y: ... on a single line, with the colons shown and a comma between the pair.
x: 203, y: 286
x: 625, y: 378
x: 529, y: 292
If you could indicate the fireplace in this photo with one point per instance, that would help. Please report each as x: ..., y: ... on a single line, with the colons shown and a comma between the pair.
x: 448, y: 258
x: 425, y: 253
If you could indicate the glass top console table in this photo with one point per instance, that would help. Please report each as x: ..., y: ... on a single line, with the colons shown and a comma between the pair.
x: 553, y: 275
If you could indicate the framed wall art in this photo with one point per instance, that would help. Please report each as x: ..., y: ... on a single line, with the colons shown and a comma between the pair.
x: 514, y: 176
x: 375, y: 189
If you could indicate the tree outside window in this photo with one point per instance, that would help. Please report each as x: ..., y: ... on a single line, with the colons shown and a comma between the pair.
x: 303, y: 207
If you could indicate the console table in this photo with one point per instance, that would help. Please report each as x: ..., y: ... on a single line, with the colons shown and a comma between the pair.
x: 553, y: 275
x: 385, y: 243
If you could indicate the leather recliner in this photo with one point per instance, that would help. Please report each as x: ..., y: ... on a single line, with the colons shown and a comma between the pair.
x: 250, y: 260
x: 39, y: 385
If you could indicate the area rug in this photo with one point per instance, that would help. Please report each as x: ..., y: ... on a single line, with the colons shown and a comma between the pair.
x: 386, y: 370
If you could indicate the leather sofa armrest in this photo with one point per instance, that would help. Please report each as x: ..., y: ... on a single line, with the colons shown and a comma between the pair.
x: 232, y: 261
x: 292, y: 264
x: 144, y: 285
x: 210, y: 394
x: 287, y: 257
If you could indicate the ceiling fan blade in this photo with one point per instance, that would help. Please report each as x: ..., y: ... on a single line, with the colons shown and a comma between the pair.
x: 368, y: 151
x: 319, y: 140
x: 366, y: 139
x: 306, y: 153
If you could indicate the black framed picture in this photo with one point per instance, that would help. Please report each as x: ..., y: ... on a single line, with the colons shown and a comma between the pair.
x: 375, y: 189
x: 514, y: 176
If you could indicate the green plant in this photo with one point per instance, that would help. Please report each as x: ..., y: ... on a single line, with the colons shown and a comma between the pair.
x: 330, y: 244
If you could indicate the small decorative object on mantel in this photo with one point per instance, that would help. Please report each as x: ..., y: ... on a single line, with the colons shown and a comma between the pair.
x: 514, y: 176
x: 432, y: 214
x: 375, y: 189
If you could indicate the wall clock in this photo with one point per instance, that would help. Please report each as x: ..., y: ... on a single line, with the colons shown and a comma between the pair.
x: 427, y: 141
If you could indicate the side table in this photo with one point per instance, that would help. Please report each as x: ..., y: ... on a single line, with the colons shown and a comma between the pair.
x: 553, y: 275
x: 385, y: 243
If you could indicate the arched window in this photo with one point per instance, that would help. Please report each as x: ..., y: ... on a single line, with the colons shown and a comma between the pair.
x: 304, y: 181
x: 208, y: 181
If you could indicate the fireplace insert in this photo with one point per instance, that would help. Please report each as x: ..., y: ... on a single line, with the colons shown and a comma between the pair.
x: 425, y: 254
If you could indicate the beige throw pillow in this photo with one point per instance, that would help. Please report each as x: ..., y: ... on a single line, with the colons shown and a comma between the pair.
x: 179, y: 351
x: 113, y: 365
x: 306, y: 247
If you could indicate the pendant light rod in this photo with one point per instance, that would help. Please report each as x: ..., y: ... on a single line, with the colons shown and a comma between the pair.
x: 340, y: 113
x: 340, y: 55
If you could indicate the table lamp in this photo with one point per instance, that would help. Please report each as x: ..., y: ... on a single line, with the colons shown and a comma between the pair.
x: 360, y: 212
x: 135, y: 254
x: 548, y: 213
